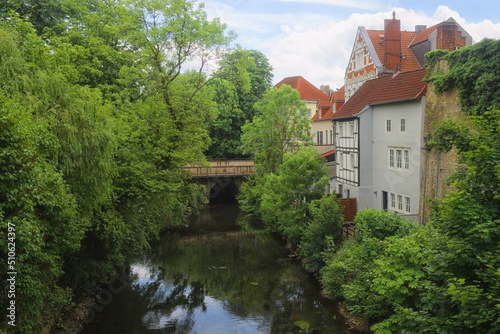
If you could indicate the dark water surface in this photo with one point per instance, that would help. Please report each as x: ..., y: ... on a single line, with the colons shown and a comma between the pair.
x: 212, y: 278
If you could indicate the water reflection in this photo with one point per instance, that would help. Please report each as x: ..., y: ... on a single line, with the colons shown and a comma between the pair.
x: 213, y: 278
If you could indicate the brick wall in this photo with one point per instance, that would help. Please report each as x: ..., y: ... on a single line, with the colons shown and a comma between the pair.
x: 448, y: 37
x: 439, y: 165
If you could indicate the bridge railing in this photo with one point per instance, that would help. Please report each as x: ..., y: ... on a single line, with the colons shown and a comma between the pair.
x: 223, y: 168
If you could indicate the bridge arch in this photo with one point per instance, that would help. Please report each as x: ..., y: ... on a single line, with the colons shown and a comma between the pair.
x: 222, y: 178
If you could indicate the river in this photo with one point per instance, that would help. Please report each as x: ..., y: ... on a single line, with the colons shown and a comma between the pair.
x: 212, y: 278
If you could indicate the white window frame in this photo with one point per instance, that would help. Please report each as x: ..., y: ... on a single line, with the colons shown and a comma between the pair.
x: 341, y: 129
x: 400, y: 203
x: 388, y: 126
x: 402, y: 125
x: 351, y: 128
x: 406, y: 159
x: 341, y: 160
x: 398, y: 158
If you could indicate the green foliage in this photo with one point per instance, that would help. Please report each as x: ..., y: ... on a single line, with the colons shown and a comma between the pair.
x: 475, y: 71
x: 36, y: 202
x: 372, y: 223
x: 243, y: 78
x: 351, y: 273
x: 280, y: 126
x: 287, y: 195
x: 97, y: 121
x: 293, y: 203
x: 323, y: 233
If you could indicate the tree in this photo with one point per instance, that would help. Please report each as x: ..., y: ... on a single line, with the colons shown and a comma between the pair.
x: 244, y: 77
x: 281, y: 125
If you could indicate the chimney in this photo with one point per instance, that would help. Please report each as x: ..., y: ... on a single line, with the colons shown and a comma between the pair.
x: 392, y: 33
x: 419, y: 28
x: 325, y: 89
x: 446, y: 37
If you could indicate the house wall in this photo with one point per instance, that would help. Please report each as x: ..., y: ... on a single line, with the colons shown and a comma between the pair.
x: 366, y: 157
x: 362, y: 64
x: 403, y: 181
x: 311, y: 106
x: 326, y: 128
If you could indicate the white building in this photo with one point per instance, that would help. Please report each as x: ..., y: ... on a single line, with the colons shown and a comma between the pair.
x: 378, y: 140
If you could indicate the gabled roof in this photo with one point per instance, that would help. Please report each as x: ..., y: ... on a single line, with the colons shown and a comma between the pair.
x: 305, y: 88
x: 339, y: 95
x: 326, y: 114
x: 399, y: 87
x: 408, y: 64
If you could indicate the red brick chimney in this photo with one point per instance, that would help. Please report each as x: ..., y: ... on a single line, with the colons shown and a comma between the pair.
x: 448, y: 37
x: 392, y: 35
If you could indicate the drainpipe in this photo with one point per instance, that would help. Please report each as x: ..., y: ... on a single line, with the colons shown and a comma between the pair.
x: 425, y: 184
x: 437, y: 173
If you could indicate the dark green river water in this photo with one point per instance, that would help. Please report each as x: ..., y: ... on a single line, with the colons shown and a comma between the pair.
x: 212, y: 278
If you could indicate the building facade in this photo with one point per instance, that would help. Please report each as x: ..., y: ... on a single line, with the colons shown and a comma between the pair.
x: 378, y: 140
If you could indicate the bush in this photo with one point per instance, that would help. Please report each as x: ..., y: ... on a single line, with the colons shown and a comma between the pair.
x: 324, y: 231
x: 372, y: 223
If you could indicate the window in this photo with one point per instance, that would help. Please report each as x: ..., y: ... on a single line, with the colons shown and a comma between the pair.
x: 352, y: 160
x: 341, y: 160
x: 397, y: 204
x: 407, y: 159
x: 331, y: 137
x: 326, y: 137
x: 351, y: 128
x: 388, y: 125
x: 319, y: 138
x: 309, y: 112
x: 407, y: 204
x: 402, y: 125
x: 399, y: 158
x: 341, y: 129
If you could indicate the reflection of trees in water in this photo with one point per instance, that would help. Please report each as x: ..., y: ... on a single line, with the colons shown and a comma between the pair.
x: 170, y: 308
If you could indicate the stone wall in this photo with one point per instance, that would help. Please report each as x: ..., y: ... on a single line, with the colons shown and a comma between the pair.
x: 437, y: 166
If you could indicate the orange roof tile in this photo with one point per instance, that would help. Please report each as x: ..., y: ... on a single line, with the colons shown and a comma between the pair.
x: 339, y: 95
x: 306, y: 89
x: 423, y: 35
x: 403, y: 86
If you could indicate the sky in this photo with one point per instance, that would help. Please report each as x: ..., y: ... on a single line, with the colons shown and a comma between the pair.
x: 314, y: 38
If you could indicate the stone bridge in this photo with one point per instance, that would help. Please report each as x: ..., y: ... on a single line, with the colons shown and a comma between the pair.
x: 223, y: 177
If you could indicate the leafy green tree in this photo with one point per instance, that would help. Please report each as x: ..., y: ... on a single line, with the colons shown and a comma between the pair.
x: 244, y: 77
x: 43, y: 13
x: 323, y: 233
x: 280, y: 125
x: 287, y: 195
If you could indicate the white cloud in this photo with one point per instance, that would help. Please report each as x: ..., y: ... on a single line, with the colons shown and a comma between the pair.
x: 316, y: 46
x: 359, y: 4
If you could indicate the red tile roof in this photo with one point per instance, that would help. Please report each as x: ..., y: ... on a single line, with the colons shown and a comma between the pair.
x: 306, y: 89
x: 403, y: 86
x: 423, y: 35
x: 408, y: 64
x: 324, y: 155
x: 339, y: 95
x: 326, y: 114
